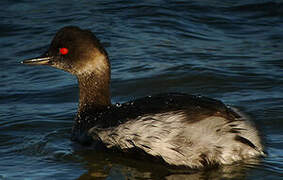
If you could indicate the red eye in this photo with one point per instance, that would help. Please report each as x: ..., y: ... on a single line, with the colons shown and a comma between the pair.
x: 64, y: 51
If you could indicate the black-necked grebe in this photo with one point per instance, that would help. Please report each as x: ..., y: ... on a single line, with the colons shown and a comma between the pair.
x: 180, y: 129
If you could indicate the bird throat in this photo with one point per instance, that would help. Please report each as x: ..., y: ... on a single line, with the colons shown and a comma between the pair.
x: 94, y: 91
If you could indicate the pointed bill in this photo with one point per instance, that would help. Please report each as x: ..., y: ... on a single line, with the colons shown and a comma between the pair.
x: 38, y: 61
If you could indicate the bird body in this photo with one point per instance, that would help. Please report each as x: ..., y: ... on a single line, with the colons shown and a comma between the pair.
x: 180, y: 129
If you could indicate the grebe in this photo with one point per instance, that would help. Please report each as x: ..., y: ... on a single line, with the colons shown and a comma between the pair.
x: 180, y: 129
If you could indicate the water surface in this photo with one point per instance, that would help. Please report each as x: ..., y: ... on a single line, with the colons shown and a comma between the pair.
x: 229, y: 50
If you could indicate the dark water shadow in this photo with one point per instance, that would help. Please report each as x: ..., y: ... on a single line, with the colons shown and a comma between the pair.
x: 109, y: 165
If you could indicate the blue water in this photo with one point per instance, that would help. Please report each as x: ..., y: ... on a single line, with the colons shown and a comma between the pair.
x: 229, y: 50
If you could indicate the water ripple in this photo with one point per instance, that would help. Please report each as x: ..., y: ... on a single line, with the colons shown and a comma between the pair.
x: 230, y: 50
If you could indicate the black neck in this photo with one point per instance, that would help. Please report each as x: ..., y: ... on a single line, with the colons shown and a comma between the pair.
x: 94, y: 91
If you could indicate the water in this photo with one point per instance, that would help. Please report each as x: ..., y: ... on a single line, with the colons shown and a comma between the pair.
x: 229, y: 50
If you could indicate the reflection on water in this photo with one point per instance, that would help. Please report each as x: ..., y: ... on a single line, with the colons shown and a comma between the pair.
x: 117, y: 167
x: 229, y: 50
